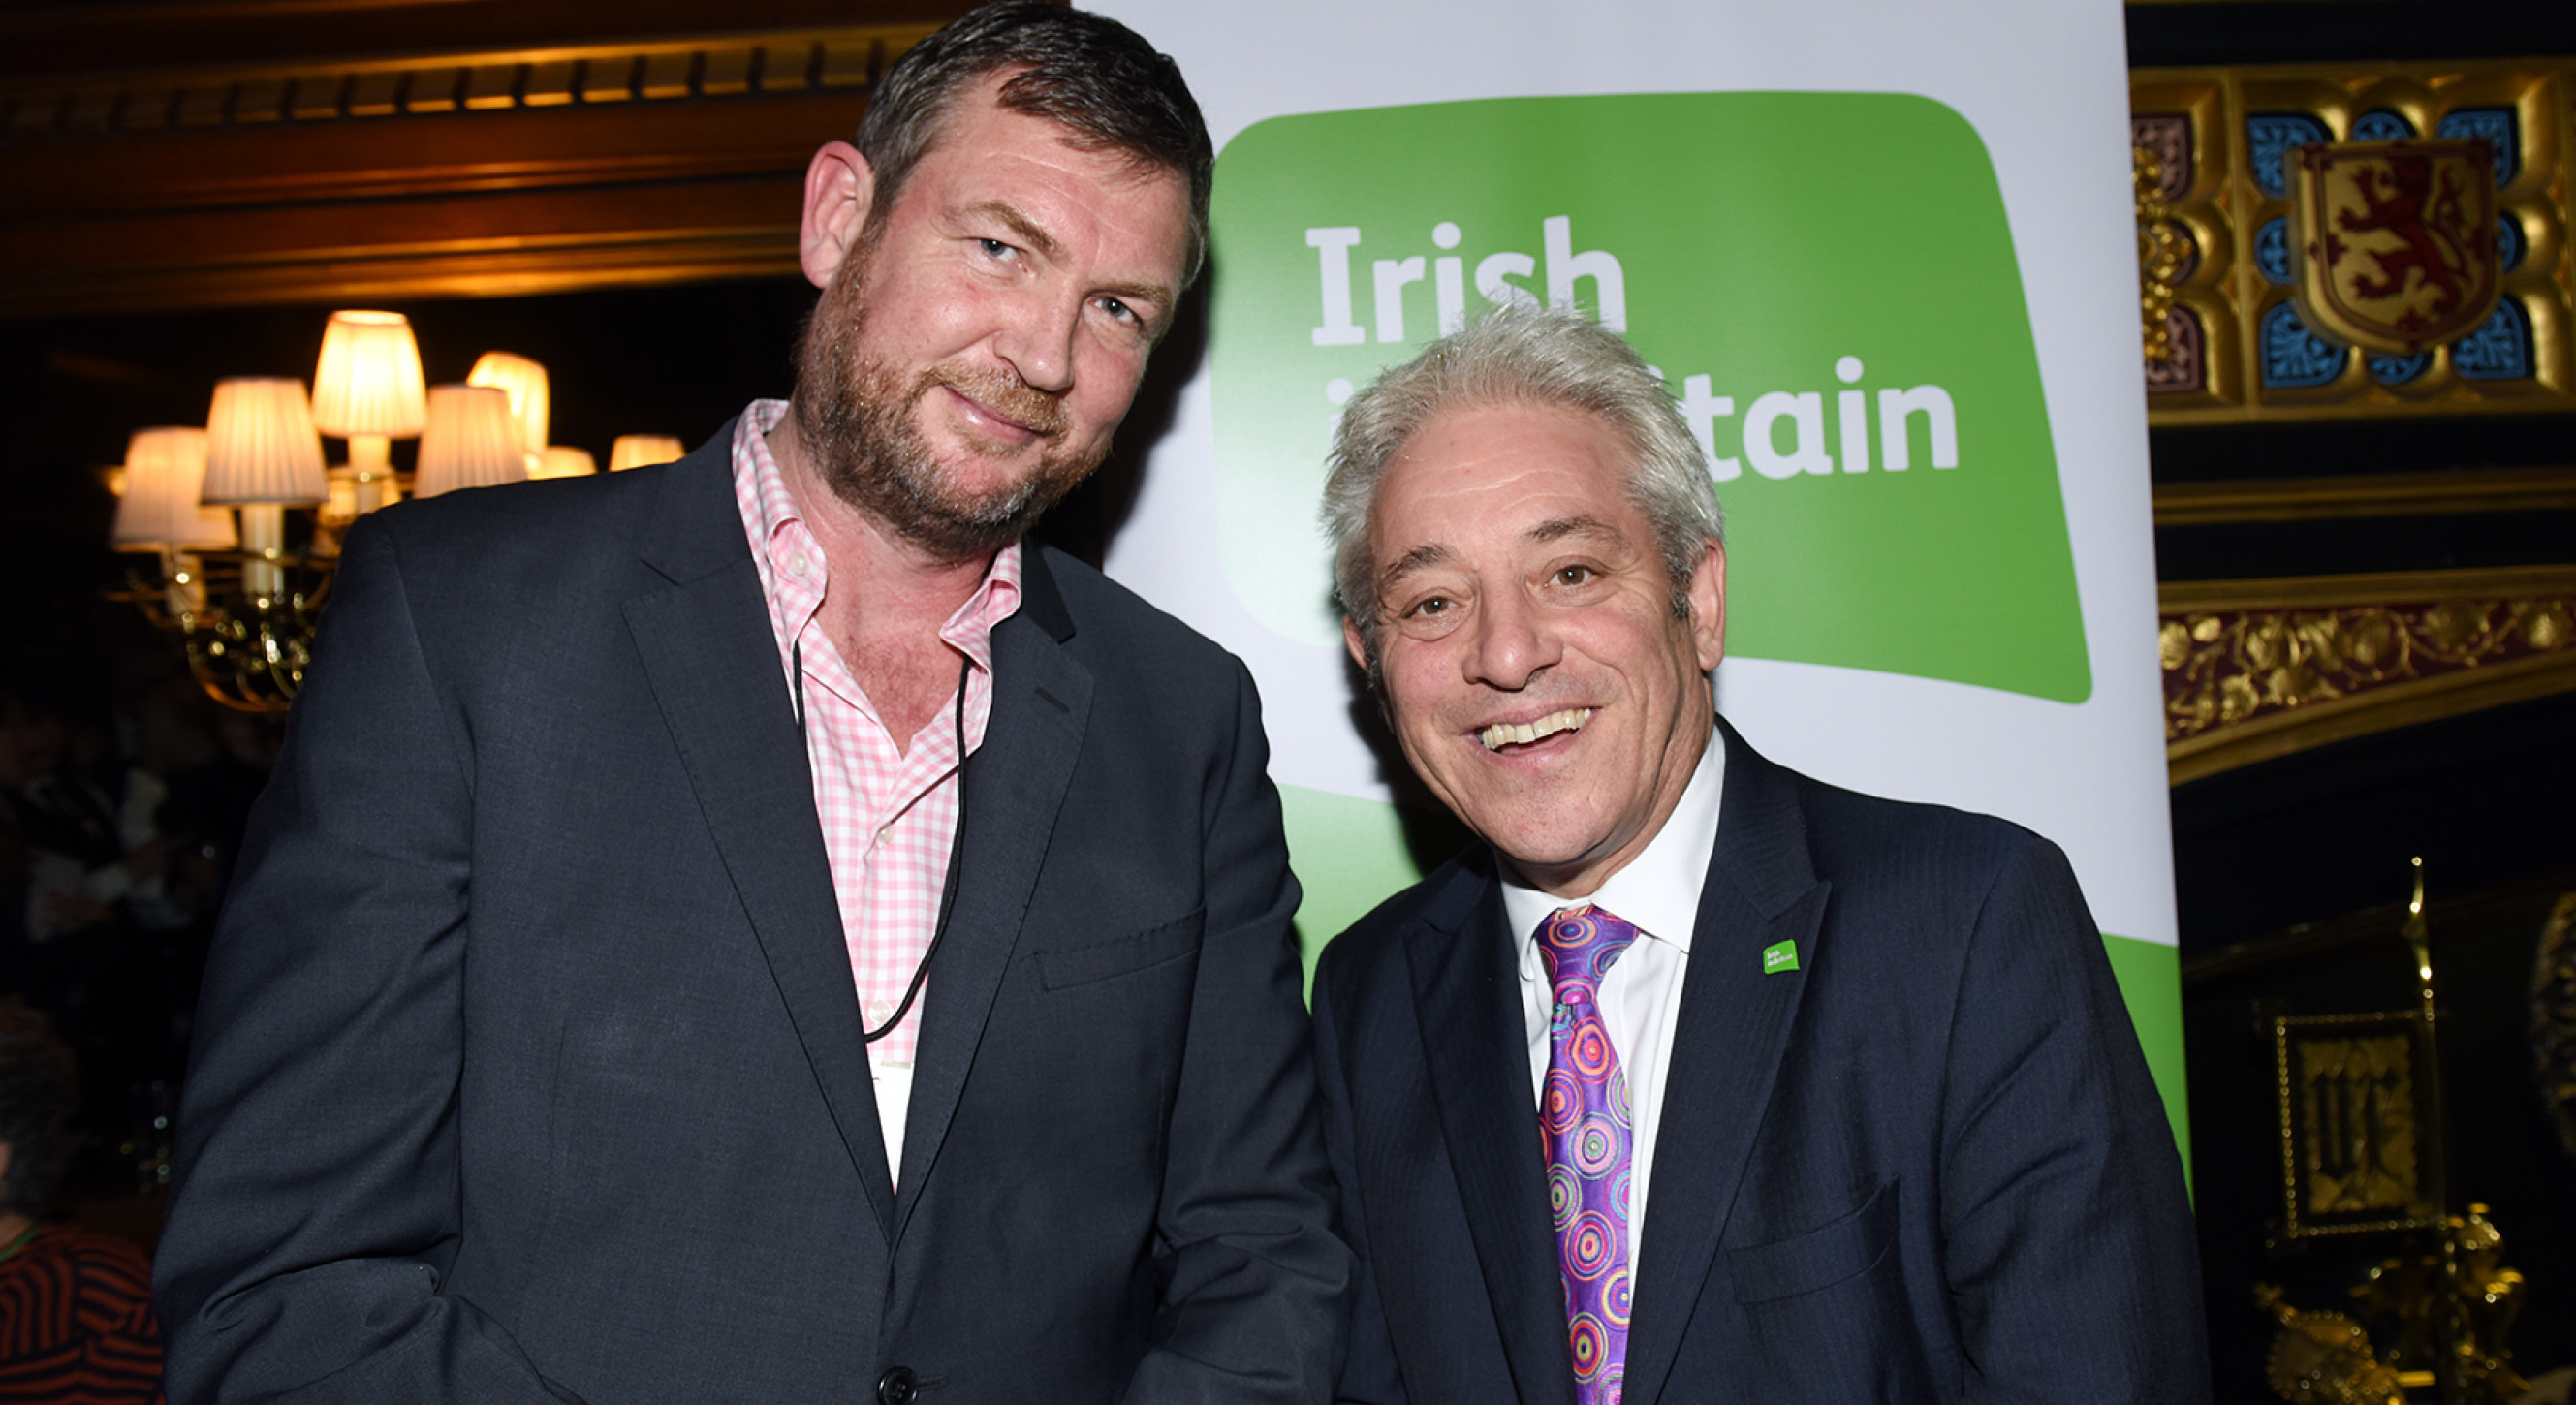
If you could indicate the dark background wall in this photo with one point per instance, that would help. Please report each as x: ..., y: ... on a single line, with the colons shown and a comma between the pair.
x: 2290, y: 874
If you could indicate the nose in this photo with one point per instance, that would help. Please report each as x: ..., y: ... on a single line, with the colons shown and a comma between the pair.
x: 1038, y: 340
x: 1513, y: 643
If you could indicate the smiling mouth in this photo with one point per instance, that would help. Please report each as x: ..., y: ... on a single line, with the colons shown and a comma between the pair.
x: 1004, y: 425
x: 1503, y: 734
x: 1006, y: 408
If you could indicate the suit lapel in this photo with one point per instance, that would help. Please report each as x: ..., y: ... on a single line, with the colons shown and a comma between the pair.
x: 1015, y: 787
x: 1733, y: 1027
x: 1466, y: 985
x: 712, y: 661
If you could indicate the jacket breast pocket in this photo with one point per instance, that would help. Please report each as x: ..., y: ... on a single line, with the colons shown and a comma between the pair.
x: 1833, y: 1252
x: 1063, y: 967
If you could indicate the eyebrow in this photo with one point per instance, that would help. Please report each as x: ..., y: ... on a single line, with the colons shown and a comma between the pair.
x: 1579, y: 525
x: 1025, y: 229
x: 1420, y: 558
x: 1432, y: 554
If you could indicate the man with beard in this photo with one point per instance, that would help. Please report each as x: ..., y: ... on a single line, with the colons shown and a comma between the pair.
x: 754, y: 929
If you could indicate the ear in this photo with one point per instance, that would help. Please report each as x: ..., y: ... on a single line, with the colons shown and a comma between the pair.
x: 1708, y: 604
x: 839, y: 189
x: 1351, y: 641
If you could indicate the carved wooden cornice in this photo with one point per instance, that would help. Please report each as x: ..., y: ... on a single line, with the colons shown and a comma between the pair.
x: 2259, y: 669
x: 436, y: 173
x: 717, y: 66
x: 2451, y: 491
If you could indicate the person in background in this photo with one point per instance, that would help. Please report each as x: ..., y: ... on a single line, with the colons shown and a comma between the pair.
x: 75, y: 1306
x: 91, y: 826
x: 103, y: 941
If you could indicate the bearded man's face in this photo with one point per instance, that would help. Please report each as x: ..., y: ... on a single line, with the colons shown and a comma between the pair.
x: 974, y: 354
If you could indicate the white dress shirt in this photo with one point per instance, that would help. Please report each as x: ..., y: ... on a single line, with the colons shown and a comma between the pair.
x: 1640, y: 998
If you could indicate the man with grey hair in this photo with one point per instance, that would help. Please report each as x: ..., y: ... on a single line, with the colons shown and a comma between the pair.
x: 1867, y: 1059
x: 807, y: 943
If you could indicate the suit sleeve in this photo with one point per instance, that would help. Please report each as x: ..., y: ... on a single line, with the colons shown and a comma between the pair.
x: 1255, y: 1283
x: 1370, y: 1375
x: 317, y: 1206
x: 2069, y: 1247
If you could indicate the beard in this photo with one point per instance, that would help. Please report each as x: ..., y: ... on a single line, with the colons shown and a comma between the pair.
x: 857, y: 417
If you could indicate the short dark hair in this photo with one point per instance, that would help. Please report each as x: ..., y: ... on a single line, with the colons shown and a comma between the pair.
x: 39, y: 1090
x: 1091, y: 75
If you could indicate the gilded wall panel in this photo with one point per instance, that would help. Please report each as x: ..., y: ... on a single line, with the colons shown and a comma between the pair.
x: 2220, y: 240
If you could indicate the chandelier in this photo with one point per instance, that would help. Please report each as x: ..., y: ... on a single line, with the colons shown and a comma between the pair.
x: 234, y: 528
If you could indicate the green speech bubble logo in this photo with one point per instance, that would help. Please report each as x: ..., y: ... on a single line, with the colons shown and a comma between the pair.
x: 1826, y: 281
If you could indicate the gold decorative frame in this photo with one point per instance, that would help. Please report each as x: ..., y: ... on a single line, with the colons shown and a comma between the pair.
x: 2353, y: 1144
x: 2193, y: 123
x: 2263, y: 668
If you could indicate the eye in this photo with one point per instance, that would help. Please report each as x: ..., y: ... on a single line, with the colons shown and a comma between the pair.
x: 1575, y: 575
x: 995, y: 248
x: 1431, y: 615
x: 1121, y: 311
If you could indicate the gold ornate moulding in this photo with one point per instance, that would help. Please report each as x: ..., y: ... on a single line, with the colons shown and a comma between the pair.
x: 2263, y: 668
x: 485, y: 82
x: 2278, y: 209
x: 495, y: 171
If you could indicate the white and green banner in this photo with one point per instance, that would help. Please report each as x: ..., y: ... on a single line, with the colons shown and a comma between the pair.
x: 1879, y: 251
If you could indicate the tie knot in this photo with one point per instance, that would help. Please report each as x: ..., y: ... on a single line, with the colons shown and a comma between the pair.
x: 1578, y: 944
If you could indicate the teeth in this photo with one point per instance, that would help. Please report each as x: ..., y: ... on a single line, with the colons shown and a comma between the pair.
x: 1502, y: 734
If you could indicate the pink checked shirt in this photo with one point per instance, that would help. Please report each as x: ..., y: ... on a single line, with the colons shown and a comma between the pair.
x: 889, y: 815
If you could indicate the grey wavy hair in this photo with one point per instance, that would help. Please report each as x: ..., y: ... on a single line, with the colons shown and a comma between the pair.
x: 1519, y: 356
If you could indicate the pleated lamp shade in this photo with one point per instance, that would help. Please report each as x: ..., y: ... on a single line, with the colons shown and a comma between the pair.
x: 165, y: 470
x: 530, y: 402
x: 470, y: 442
x: 368, y: 380
x: 215, y: 531
x: 563, y: 461
x: 637, y: 450
x: 261, y: 446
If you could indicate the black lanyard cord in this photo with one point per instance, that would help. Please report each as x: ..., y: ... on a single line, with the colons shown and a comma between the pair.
x: 956, y: 843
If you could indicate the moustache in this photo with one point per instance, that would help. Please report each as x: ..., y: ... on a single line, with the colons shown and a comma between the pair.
x: 1001, y: 392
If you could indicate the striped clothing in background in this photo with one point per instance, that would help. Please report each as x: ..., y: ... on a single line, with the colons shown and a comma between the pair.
x: 76, y: 1324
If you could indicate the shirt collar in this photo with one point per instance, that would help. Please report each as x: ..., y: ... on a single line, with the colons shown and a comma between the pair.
x: 1658, y: 891
x: 779, y: 537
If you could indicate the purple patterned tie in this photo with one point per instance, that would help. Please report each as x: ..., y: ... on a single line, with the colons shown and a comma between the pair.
x: 1584, y: 1118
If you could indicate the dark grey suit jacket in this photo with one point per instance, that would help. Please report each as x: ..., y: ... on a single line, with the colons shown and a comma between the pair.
x: 530, y: 1065
x: 1927, y: 1165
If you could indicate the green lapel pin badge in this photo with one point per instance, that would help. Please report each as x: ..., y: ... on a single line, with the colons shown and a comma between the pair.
x: 1778, y: 957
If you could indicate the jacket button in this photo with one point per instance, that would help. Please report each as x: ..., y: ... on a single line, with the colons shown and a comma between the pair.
x: 897, y: 1387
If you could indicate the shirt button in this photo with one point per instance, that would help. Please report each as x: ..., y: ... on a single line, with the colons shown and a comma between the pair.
x: 800, y: 565
x: 883, y: 835
x: 879, y: 1011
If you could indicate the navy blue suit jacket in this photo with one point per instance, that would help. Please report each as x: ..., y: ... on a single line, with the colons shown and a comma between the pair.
x: 529, y: 1065
x: 1927, y: 1165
